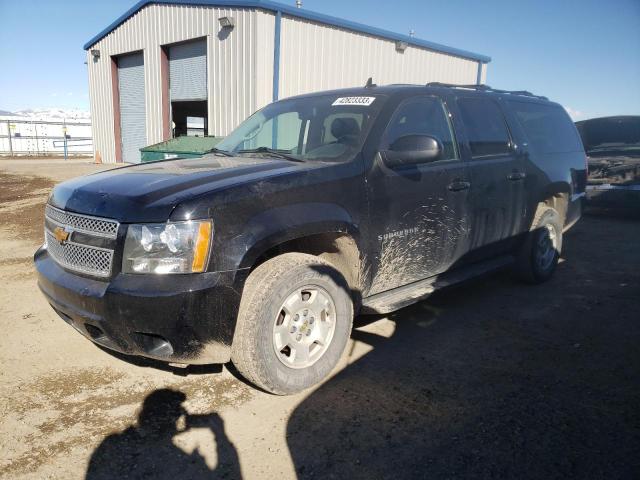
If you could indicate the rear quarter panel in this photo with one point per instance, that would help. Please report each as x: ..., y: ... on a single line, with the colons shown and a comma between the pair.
x: 548, y: 173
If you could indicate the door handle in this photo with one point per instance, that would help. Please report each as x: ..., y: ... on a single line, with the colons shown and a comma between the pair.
x: 515, y: 176
x: 458, y: 185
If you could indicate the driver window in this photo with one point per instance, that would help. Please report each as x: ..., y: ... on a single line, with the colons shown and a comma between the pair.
x: 423, y: 116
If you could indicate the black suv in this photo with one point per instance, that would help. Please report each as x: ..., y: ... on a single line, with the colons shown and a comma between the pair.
x: 316, y: 208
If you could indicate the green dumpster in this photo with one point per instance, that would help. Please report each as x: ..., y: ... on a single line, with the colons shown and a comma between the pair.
x: 180, y: 147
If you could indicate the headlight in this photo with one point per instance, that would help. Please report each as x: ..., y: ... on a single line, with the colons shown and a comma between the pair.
x: 175, y: 247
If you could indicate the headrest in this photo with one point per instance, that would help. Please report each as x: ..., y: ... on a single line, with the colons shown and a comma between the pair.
x: 341, y: 127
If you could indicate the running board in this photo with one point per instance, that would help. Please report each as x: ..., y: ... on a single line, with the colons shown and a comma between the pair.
x: 400, y: 297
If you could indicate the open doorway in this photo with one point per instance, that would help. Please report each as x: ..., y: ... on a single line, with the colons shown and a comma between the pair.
x: 189, y: 118
x: 185, y: 85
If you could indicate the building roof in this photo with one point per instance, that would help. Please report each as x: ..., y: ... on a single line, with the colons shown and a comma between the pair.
x: 292, y: 12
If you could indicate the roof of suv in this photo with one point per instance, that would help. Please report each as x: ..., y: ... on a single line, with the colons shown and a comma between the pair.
x: 434, y: 86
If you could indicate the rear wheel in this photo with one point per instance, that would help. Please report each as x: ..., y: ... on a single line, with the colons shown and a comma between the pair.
x: 294, y: 321
x: 539, y: 255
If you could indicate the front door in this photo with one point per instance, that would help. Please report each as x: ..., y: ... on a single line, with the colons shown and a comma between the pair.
x: 418, y: 211
x: 497, y: 194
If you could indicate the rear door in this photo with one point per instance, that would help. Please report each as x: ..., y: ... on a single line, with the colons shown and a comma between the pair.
x: 497, y: 194
x: 418, y: 211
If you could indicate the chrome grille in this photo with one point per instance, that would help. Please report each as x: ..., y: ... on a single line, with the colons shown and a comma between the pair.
x: 83, y: 223
x: 80, y: 257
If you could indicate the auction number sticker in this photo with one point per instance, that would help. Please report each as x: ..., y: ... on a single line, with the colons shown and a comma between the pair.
x: 365, y: 101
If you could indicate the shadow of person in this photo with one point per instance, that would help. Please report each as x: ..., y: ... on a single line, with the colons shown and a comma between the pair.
x: 147, y: 449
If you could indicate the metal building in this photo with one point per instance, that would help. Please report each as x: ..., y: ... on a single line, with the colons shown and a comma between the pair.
x: 171, y: 67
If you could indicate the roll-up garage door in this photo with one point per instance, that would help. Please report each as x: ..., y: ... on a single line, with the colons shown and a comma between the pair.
x: 132, y: 109
x: 188, y: 71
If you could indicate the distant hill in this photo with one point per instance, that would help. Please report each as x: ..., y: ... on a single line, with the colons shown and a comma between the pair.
x: 54, y: 114
x: 4, y: 112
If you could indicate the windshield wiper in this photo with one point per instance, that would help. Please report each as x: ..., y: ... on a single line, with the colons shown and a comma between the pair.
x: 221, y: 152
x: 272, y: 151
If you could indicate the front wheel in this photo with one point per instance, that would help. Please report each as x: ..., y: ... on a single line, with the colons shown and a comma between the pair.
x: 539, y: 255
x: 293, y: 325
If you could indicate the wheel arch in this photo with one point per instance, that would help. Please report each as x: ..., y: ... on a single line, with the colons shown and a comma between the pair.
x: 556, y: 196
x: 322, y: 229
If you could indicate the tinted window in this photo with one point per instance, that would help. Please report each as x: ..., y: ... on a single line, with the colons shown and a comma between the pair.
x: 486, y: 129
x: 423, y: 116
x: 548, y: 127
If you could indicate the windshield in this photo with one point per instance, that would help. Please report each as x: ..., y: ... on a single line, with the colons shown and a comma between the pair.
x: 319, y: 127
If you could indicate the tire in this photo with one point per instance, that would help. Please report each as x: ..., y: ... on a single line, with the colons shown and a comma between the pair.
x: 257, y: 350
x: 534, y: 263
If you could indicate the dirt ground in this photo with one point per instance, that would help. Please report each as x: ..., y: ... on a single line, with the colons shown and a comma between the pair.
x: 490, y: 379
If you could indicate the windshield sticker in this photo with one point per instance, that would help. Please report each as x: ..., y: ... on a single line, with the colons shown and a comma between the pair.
x: 365, y: 101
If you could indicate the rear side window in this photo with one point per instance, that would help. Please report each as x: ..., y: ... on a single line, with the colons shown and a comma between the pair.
x: 548, y: 127
x: 486, y: 128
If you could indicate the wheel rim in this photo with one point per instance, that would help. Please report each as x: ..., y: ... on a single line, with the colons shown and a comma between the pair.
x: 304, y: 326
x: 547, y: 247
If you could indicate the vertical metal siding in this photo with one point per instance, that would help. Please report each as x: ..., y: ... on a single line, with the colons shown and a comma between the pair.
x: 262, y: 50
x: 240, y: 65
x: 233, y: 68
x: 188, y: 71
x: 484, y: 73
x: 318, y: 57
x: 132, y: 106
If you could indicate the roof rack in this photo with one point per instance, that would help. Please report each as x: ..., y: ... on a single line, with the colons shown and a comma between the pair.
x: 486, y: 88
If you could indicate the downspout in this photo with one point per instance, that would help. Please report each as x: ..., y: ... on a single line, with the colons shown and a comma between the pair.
x: 276, y: 75
x: 276, y: 56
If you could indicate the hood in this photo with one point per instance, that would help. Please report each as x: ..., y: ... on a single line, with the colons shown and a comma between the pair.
x: 611, y: 136
x: 149, y: 192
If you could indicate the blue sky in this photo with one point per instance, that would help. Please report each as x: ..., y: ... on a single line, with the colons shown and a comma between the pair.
x: 583, y: 54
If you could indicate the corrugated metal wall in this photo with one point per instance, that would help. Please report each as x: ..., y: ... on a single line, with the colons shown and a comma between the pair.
x: 240, y: 63
x: 233, y: 63
x: 319, y: 57
x: 484, y: 73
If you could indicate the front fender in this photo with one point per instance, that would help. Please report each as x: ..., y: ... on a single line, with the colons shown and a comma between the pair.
x: 281, y: 224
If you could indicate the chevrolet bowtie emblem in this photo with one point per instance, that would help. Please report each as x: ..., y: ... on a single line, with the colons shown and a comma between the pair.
x: 61, y: 235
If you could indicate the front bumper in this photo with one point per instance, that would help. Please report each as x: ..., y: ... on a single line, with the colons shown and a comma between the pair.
x: 175, y: 318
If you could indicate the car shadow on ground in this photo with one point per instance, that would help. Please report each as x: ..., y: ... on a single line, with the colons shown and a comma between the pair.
x: 147, y: 449
x: 492, y: 379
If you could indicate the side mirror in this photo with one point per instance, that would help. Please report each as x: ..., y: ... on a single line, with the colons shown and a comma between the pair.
x: 412, y: 149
